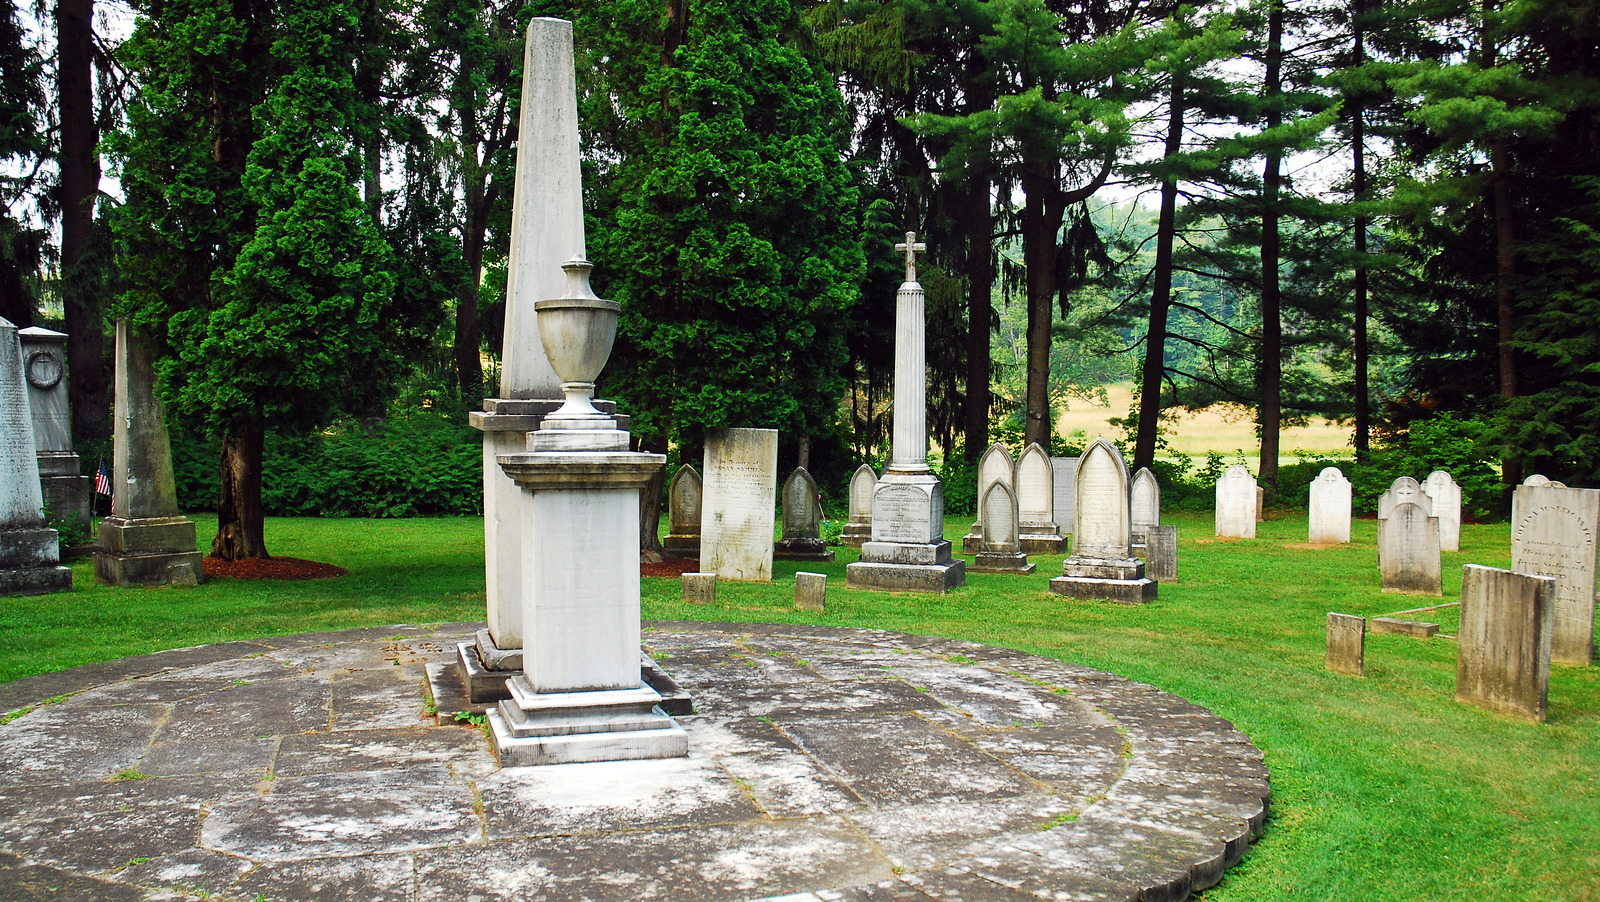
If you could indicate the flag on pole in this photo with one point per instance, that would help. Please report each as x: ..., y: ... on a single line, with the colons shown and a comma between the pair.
x: 102, y: 482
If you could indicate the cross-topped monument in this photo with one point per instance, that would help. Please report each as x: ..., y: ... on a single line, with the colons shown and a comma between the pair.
x: 907, y: 551
x: 911, y: 248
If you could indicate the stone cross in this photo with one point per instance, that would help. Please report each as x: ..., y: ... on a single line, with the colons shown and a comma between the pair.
x: 911, y: 248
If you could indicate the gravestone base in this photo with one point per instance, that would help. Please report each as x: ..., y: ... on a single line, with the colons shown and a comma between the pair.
x: 533, y: 728
x: 972, y: 542
x: 479, y: 686
x: 856, y: 534
x: 149, y: 551
x: 1001, y: 562
x: 29, y: 563
x: 801, y: 550
x: 906, y: 567
x: 681, y: 546
x: 67, y: 498
x: 1041, y: 538
x: 1121, y: 581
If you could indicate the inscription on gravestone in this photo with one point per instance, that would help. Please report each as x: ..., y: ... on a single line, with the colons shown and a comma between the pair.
x: 1553, y: 534
x: 1102, y: 510
x: 1504, y: 646
x: 737, y: 503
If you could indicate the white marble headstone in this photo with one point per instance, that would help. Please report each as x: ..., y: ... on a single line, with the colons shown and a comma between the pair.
x: 1408, y: 551
x: 1403, y: 489
x: 1236, y: 503
x: 1103, y: 526
x: 1330, y: 508
x: 861, y: 485
x: 995, y: 466
x: 1553, y: 533
x: 1000, y: 535
x: 683, y: 502
x: 1035, y: 487
x: 21, y: 500
x: 1445, y: 496
x: 1145, y: 502
x: 737, y: 510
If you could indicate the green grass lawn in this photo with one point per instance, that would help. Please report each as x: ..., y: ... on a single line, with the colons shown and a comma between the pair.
x: 1383, y: 787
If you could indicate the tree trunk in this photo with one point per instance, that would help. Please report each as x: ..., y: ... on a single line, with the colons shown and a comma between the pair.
x: 1155, y: 355
x: 1505, y: 235
x: 79, y: 164
x: 1271, y: 412
x: 240, y: 520
x: 1041, y: 223
x: 980, y: 316
x: 1363, y: 437
x: 474, y: 176
x: 650, y: 551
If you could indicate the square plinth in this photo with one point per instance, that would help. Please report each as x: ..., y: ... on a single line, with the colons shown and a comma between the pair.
x: 1002, y: 562
x: 179, y: 568
x: 1121, y: 591
x: 35, y: 580
x: 936, y: 578
x: 532, y: 728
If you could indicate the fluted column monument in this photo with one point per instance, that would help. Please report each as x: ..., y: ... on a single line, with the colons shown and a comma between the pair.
x: 908, y: 551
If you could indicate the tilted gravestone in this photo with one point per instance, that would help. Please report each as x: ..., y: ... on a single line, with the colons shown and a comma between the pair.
x: 802, y: 521
x: 1102, y: 564
x: 994, y: 466
x: 859, y: 527
x: 1064, y: 477
x: 1036, y: 503
x: 67, y: 495
x: 1161, y: 553
x: 1553, y: 534
x: 1330, y: 508
x: 736, y: 523
x: 1504, y: 647
x: 1002, y: 546
x: 1236, y: 504
x: 30, y: 557
x: 1408, y: 552
x: 1444, y: 497
x: 1144, y: 503
x: 1347, y: 644
x: 145, y: 541
x: 683, y: 514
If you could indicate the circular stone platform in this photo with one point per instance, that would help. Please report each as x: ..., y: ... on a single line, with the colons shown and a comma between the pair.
x: 825, y: 764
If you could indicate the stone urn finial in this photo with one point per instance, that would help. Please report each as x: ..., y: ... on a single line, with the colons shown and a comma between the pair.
x: 577, y: 331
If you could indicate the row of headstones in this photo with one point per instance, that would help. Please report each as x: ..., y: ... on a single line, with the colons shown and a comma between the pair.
x: 802, y: 517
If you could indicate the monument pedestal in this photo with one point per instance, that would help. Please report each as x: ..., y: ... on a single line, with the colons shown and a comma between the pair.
x: 1002, y: 562
x: 29, y: 563
x: 801, y: 550
x: 1112, y: 580
x: 1041, y: 538
x: 149, y: 551
x: 681, y: 546
x: 580, y: 696
x: 856, y: 533
x: 908, y: 552
x: 66, y: 494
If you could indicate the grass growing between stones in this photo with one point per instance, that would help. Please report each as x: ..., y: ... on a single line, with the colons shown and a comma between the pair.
x: 1383, y: 786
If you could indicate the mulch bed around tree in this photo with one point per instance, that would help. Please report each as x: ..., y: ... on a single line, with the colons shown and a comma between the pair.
x: 271, y: 568
x: 672, y: 566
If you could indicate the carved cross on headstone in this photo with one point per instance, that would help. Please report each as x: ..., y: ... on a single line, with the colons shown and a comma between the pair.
x: 911, y: 248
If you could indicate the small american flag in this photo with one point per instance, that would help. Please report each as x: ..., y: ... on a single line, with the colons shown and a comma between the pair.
x: 102, y: 482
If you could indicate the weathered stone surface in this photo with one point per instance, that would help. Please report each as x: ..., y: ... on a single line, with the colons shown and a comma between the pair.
x: 1408, y: 551
x: 1161, y: 553
x: 1445, y: 498
x: 1144, y: 495
x: 29, y: 554
x: 1401, y: 490
x: 66, y: 494
x: 994, y: 466
x: 1036, y: 525
x: 810, y: 591
x: 1395, y: 626
x: 1330, y: 508
x: 1102, y: 565
x: 699, y: 588
x: 1347, y: 644
x: 741, y: 467
x: 683, y: 514
x: 859, y: 528
x: 1503, y: 656
x: 1236, y: 504
x: 802, y: 521
x: 1064, y: 477
x: 822, y: 760
x: 1001, y: 549
x: 1553, y: 533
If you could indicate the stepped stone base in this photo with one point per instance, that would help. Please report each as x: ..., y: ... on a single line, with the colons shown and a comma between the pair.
x: 484, y: 685
x: 972, y: 542
x: 906, y: 567
x: 149, y: 551
x: 35, y: 580
x: 1001, y: 562
x: 1120, y: 580
x: 801, y: 550
x: 1042, y: 542
x: 854, y: 535
x: 569, y: 727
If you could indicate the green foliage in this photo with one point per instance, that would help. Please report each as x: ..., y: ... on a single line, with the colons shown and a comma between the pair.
x: 733, y: 234
x: 1454, y: 443
x: 416, y: 462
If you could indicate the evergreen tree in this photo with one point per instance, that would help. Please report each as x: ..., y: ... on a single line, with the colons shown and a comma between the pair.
x: 255, y: 262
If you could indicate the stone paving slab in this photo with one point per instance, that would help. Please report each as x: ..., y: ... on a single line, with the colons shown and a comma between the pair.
x: 826, y: 765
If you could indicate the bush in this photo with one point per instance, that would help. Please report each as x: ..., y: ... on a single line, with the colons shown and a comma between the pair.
x: 418, y: 462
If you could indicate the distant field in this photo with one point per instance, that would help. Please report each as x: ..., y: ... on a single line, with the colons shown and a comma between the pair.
x: 1226, y: 429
